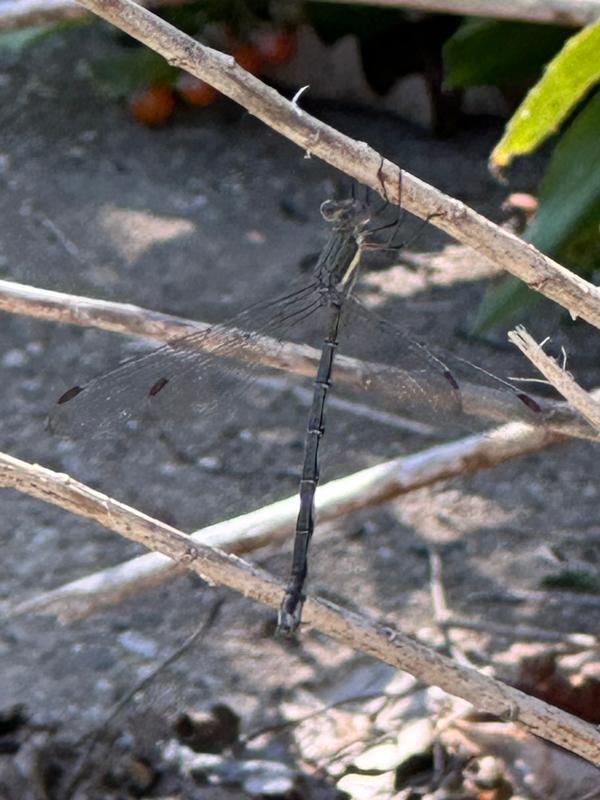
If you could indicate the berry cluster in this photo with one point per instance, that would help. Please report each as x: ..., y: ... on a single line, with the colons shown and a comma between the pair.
x: 154, y: 104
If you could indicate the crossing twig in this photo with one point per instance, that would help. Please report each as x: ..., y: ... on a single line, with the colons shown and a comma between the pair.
x: 274, y: 523
x: 477, y: 400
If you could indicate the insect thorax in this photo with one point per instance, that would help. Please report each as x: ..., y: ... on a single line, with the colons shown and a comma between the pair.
x: 336, y: 269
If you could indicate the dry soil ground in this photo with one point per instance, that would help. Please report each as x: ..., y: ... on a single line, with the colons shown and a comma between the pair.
x: 197, y: 219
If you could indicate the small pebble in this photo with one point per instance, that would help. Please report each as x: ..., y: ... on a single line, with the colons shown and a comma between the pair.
x: 138, y: 644
x: 14, y: 358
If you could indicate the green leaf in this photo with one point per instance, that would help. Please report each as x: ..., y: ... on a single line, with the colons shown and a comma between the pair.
x: 568, y: 78
x: 566, y: 225
x: 123, y: 73
x: 26, y: 37
x: 498, y: 53
x: 501, y: 302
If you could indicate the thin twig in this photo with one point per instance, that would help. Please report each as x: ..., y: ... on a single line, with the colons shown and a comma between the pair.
x: 520, y: 632
x: 200, y: 631
x: 93, y: 737
x: 357, y: 159
x: 446, y: 620
x: 477, y: 400
x: 559, y: 12
x: 436, y: 588
x: 274, y: 523
x: 276, y: 727
x: 554, y: 597
x: 440, y: 607
x: 343, y: 626
x: 562, y: 381
x: 22, y: 13
x: 395, y: 421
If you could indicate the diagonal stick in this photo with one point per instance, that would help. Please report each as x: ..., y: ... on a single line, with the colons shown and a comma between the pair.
x: 343, y: 626
x: 357, y: 159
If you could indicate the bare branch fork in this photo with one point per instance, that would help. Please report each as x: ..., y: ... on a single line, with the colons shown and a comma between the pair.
x: 346, y: 627
x: 446, y: 620
x: 357, y: 159
x: 562, y: 381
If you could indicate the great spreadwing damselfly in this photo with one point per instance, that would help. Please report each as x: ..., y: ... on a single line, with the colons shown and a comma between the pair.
x: 204, y: 371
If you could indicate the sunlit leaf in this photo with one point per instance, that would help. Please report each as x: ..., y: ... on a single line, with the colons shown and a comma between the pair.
x: 569, y: 195
x: 567, y: 223
x: 568, y: 78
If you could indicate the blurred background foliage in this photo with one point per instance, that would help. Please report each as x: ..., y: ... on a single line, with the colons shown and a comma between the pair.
x: 548, y: 75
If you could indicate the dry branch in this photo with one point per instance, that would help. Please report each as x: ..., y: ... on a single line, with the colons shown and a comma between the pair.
x: 21, y: 13
x: 357, y: 159
x: 343, y: 626
x: 559, y: 12
x: 559, y: 378
x: 477, y: 400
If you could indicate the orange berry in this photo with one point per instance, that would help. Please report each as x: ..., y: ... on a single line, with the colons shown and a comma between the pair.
x: 195, y: 91
x: 248, y: 57
x: 152, y: 105
x: 275, y: 45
